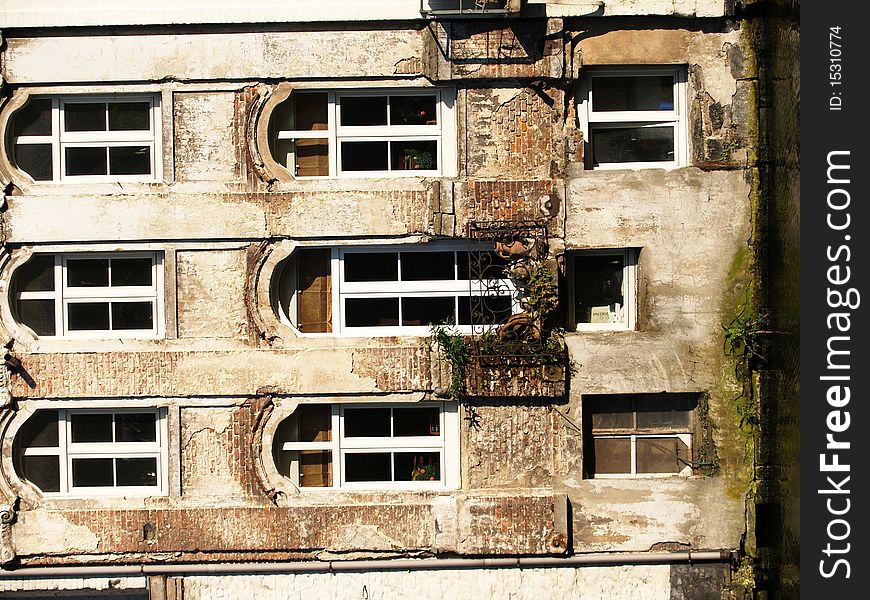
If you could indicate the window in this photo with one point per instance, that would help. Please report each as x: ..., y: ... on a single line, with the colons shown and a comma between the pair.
x: 90, y: 295
x: 636, y: 118
x: 602, y: 288
x: 384, y: 290
x: 638, y: 434
x: 94, y: 452
x: 369, y: 445
x: 113, y: 138
x: 321, y: 134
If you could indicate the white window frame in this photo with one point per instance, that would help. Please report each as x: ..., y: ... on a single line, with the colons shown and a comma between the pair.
x: 443, y: 132
x: 343, y: 290
x: 60, y: 140
x: 686, y: 438
x: 446, y: 444
x: 67, y: 451
x: 64, y: 295
x: 628, y: 320
x: 676, y: 118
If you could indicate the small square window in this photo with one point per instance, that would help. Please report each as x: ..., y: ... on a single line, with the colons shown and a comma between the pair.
x: 602, y: 292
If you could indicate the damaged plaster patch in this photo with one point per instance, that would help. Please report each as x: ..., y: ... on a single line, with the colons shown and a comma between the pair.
x: 356, y: 536
x: 50, y: 533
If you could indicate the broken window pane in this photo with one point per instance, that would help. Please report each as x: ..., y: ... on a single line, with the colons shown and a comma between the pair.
x: 86, y: 161
x: 632, y: 144
x: 135, y: 427
x: 129, y: 160
x: 428, y: 311
x: 633, y: 93
x: 91, y: 427
x: 35, y: 160
x: 363, y: 110
x: 93, y: 472
x: 412, y: 110
x: 367, y: 422
x: 368, y: 466
x: 88, y: 316
x: 417, y: 466
x: 132, y: 315
x: 33, y: 119
x: 364, y: 156
x: 42, y: 471
x: 84, y: 116
x: 137, y: 472
x: 129, y: 116
x: 38, y: 315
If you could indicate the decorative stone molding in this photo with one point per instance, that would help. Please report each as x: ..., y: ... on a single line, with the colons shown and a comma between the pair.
x: 8, y: 513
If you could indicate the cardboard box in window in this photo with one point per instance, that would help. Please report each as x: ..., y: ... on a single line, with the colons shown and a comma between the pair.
x: 599, y: 314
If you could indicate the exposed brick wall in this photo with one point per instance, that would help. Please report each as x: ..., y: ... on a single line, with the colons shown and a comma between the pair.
x: 486, y: 49
x: 502, y: 526
x: 503, y: 200
x: 395, y: 368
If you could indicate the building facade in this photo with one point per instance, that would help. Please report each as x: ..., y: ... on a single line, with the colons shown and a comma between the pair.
x: 376, y: 299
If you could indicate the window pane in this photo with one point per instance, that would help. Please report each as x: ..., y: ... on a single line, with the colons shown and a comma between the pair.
x: 88, y: 316
x: 42, y: 471
x: 661, y: 455
x: 315, y: 423
x: 632, y: 144
x: 412, y: 110
x: 315, y: 468
x: 610, y: 455
x: 33, y: 119
x: 312, y: 157
x: 416, y: 421
x: 371, y: 312
x: 310, y: 112
x: 136, y: 472
x: 129, y: 160
x: 363, y: 110
x: 35, y: 160
x: 38, y: 315
x: 484, y: 310
x: 480, y: 265
x: 598, y: 288
x: 417, y: 466
x: 428, y: 311
x: 129, y: 116
x: 84, y: 116
x: 86, y: 161
x: 665, y: 411
x: 36, y: 275
x: 364, y: 156
x: 131, y: 271
x: 367, y: 422
x: 92, y: 472
x: 87, y: 272
x: 428, y: 266
x: 414, y: 155
x: 39, y: 431
x: 314, y: 290
x: 135, y: 427
x: 132, y: 315
x: 368, y: 466
x: 610, y: 412
x: 633, y: 93
x: 371, y: 266
x: 91, y: 427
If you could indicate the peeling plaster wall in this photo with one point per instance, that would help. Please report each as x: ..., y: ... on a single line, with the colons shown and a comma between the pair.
x: 205, y: 145
x: 211, y: 294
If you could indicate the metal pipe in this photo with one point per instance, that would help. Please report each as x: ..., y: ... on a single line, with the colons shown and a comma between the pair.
x: 367, y: 565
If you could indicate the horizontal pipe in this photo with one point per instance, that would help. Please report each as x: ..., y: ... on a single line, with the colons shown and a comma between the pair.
x: 366, y: 565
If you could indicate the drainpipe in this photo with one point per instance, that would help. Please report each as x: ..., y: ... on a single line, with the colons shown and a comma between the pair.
x: 609, y: 559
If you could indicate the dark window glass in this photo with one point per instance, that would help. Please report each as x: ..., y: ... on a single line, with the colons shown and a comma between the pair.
x: 131, y: 271
x: 633, y: 93
x: 33, y: 119
x: 484, y: 310
x: 40, y: 430
x: 310, y: 112
x: 35, y: 160
x: 665, y: 411
x: 428, y: 311
x: 38, y: 315
x: 416, y: 421
x: 367, y: 466
x: 480, y: 265
x: 427, y: 266
x: 610, y: 413
x: 371, y: 312
x: 598, y: 284
x: 84, y: 116
x: 660, y: 455
x: 412, y: 110
x: 132, y: 315
x: 364, y: 156
x: 88, y: 316
x: 86, y: 161
x: 363, y: 110
x: 91, y: 427
x: 129, y: 116
x: 129, y: 160
x: 87, y: 272
x: 417, y: 466
x: 92, y: 472
x: 632, y: 144
x: 367, y: 422
x: 36, y: 275
x: 371, y: 266
x: 610, y: 455
x: 414, y: 155
x: 314, y: 423
x: 135, y: 427
x: 139, y: 472
x: 42, y: 471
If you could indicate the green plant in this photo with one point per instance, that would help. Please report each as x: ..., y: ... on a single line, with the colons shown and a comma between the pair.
x: 728, y: 148
x: 424, y: 473
x: 422, y: 158
x: 743, y: 341
x: 455, y: 349
x: 542, y: 293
